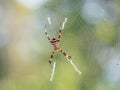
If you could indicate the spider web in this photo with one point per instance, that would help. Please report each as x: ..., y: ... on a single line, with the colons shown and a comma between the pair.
x: 91, y: 36
x: 70, y: 60
x: 90, y: 30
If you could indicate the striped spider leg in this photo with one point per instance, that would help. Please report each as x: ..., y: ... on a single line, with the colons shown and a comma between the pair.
x: 48, y: 37
x: 63, y: 52
x: 56, y: 41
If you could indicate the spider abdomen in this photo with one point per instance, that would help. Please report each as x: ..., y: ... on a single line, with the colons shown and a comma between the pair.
x: 55, y: 44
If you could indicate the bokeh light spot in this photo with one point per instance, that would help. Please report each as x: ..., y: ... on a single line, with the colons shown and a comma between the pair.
x: 31, y: 4
x: 105, y: 31
x: 93, y: 12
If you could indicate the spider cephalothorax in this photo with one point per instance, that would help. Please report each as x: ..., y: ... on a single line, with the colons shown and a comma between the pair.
x: 55, y: 42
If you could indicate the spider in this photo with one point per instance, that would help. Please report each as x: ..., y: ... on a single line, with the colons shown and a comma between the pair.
x: 55, y: 42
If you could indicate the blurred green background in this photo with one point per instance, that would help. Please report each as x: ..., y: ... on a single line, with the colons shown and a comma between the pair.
x: 91, y: 36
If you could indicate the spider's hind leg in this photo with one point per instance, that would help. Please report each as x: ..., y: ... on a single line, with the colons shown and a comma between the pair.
x: 51, y: 57
x: 63, y: 52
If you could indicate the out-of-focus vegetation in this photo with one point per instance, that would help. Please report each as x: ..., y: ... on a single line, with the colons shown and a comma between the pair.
x: 91, y: 36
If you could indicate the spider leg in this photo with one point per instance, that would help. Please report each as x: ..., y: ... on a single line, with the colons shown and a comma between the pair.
x: 60, y: 32
x: 61, y: 28
x: 51, y: 57
x: 63, y: 52
x: 47, y: 34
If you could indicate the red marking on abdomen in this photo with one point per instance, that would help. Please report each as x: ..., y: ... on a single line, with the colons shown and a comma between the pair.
x: 55, y: 45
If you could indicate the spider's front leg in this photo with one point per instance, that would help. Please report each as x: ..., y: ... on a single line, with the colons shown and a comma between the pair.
x: 47, y: 34
x: 61, y: 28
x: 51, y: 57
x: 63, y: 52
x: 60, y: 32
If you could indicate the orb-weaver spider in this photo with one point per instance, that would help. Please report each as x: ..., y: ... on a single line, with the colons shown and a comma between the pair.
x: 56, y: 41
